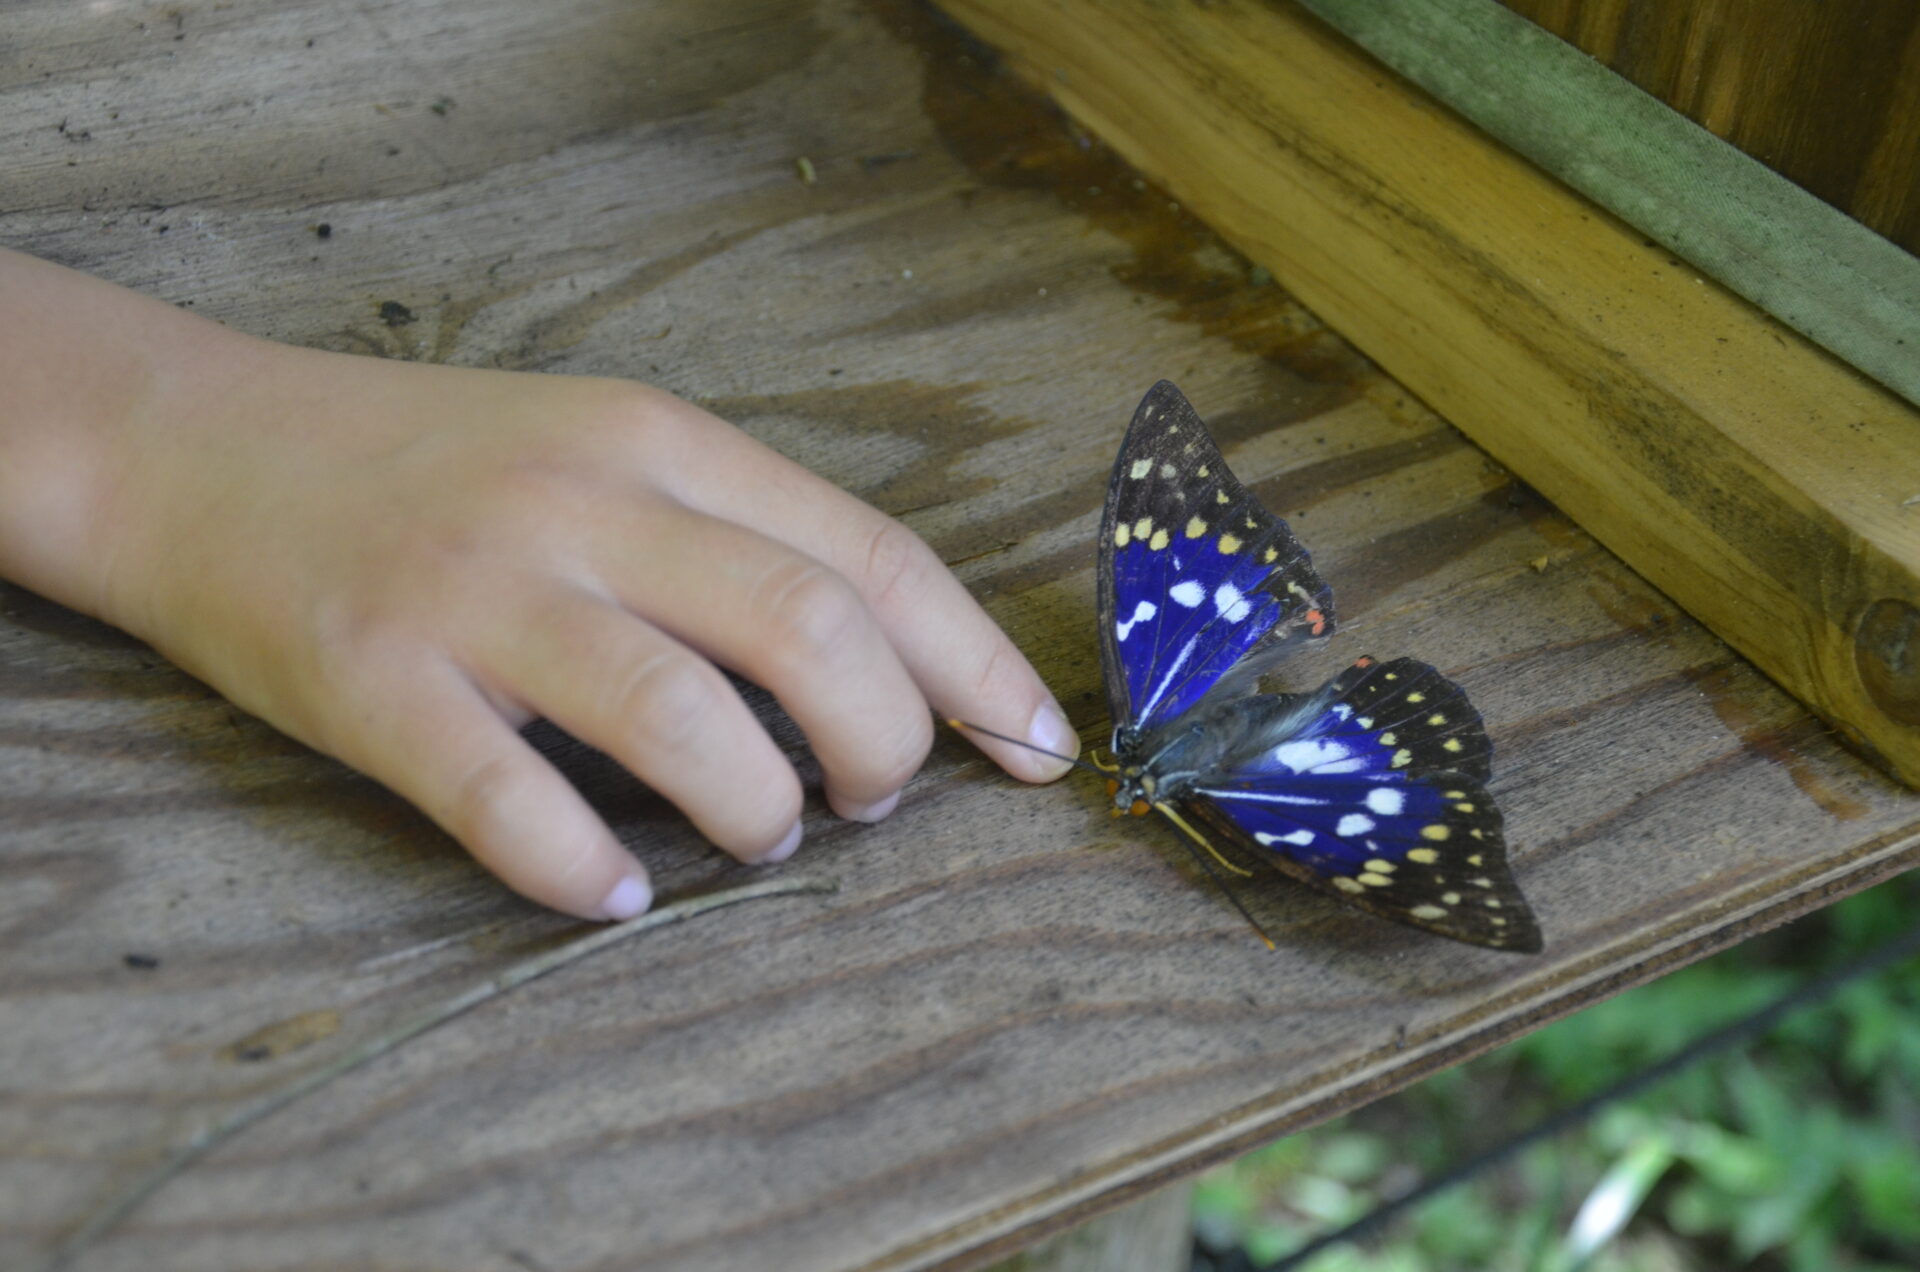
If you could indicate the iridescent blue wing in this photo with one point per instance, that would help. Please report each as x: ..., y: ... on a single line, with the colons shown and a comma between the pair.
x: 1195, y: 575
x: 1372, y: 789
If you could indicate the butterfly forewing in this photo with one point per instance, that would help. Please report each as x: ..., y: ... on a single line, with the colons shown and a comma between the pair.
x: 1195, y: 575
x: 1378, y: 798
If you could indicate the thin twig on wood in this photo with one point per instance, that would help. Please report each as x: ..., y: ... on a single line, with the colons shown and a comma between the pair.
x: 210, y: 1137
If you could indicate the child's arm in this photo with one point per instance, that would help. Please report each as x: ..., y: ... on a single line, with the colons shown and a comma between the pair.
x: 400, y: 563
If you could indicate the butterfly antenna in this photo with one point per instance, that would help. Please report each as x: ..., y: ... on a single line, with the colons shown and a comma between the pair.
x: 1074, y: 760
x: 1194, y: 836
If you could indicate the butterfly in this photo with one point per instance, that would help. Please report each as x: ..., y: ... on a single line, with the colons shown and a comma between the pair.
x: 1371, y: 787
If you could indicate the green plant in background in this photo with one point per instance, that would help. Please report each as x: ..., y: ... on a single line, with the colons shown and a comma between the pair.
x: 1797, y: 1153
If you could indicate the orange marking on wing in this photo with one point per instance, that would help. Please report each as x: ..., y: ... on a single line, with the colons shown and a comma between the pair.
x: 1140, y: 808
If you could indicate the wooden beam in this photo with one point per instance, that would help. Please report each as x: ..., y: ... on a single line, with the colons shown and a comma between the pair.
x: 1761, y: 483
x: 1808, y: 264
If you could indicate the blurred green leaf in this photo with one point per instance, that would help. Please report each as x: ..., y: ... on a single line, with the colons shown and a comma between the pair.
x: 1615, y: 1199
x: 1352, y: 1157
x: 1888, y: 1182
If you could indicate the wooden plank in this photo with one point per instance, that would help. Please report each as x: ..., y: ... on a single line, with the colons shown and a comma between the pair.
x: 1826, y: 95
x: 1747, y: 474
x: 1815, y: 269
x: 1016, y: 1012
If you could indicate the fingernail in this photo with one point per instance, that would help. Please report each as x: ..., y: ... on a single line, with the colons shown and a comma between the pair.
x: 1051, y: 732
x: 631, y: 896
x: 783, y: 849
x: 872, y: 812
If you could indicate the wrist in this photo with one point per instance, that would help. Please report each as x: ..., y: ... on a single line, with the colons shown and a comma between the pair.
x: 103, y: 388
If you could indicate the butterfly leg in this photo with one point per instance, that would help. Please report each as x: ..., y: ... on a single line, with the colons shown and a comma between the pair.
x: 1200, y: 839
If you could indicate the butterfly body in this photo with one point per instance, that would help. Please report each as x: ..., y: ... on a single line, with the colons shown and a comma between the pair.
x: 1371, y: 787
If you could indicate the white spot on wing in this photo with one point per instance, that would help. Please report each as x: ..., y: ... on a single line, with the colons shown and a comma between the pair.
x: 1385, y: 801
x: 1141, y: 467
x: 1354, y: 824
x: 1299, y: 838
x: 1141, y: 612
x: 1231, y: 605
x: 1188, y: 593
x: 1302, y: 755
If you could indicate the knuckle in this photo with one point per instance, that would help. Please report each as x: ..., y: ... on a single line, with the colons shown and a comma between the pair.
x: 900, y: 751
x: 665, y: 700
x: 898, y: 563
x: 478, y: 807
x: 983, y: 683
x: 809, y: 613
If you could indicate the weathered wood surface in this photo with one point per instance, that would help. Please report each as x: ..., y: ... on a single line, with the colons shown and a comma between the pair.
x: 1765, y: 486
x: 1017, y: 1011
x: 1827, y: 95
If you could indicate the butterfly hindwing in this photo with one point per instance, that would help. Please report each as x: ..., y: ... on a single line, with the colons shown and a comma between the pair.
x: 1195, y: 575
x: 1376, y: 794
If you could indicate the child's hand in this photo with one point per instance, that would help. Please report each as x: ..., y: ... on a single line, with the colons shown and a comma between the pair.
x: 400, y: 563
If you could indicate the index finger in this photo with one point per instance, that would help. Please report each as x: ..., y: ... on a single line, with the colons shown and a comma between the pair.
x: 962, y: 661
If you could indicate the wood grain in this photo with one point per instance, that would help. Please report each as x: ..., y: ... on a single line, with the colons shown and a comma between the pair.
x: 1749, y: 475
x: 1826, y: 95
x: 1016, y: 1012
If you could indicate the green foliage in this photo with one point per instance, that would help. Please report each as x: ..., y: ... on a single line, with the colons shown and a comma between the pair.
x: 1798, y: 1153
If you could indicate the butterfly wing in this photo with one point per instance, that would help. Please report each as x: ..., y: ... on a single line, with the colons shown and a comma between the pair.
x: 1195, y: 575
x: 1373, y: 790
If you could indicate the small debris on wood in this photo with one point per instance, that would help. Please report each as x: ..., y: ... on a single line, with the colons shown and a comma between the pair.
x: 871, y: 162
x: 140, y: 962
x: 395, y: 314
x: 804, y: 166
x: 442, y: 106
x: 283, y: 1036
x: 323, y: 230
x: 1540, y: 564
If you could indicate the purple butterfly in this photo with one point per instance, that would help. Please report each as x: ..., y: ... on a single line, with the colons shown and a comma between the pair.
x: 1370, y: 788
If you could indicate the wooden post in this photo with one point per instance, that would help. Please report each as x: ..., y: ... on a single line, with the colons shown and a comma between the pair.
x: 1768, y: 488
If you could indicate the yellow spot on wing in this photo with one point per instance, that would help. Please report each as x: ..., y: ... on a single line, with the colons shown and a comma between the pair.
x: 1416, y: 697
x: 1388, y: 739
x: 1435, y: 832
x: 1401, y: 759
x: 1474, y: 860
x: 1220, y: 497
x: 1373, y: 880
x: 1196, y: 528
x: 1143, y: 527
x: 1424, y: 856
x: 1229, y: 545
x: 1427, y: 912
x: 1451, y: 898
x: 1203, y: 470
x: 1158, y: 541
x: 1436, y: 718
x: 1346, y: 885
x: 1270, y: 555
x: 1141, y: 467
x: 1451, y: 744
x: 1121, y: 534
x: 1380, y: 865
